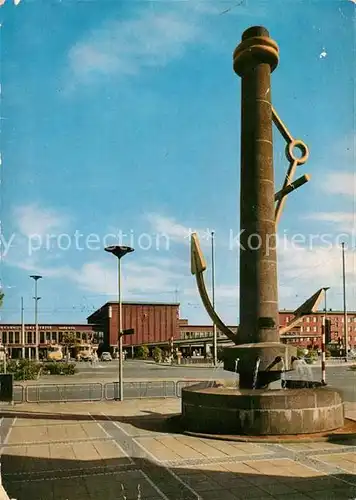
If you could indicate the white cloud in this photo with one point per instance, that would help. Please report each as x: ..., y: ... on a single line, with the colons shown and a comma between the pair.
x: 341, y: 183
x: 176, y: 232
x: 319, y: 266
x: 345, y: 221
x: 126, y: 47
x: 35, y: 220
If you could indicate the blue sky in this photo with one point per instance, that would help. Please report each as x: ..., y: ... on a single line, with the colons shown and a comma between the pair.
x: 125, y: 116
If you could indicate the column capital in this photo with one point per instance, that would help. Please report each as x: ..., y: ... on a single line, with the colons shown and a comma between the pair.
x: 256, y: 47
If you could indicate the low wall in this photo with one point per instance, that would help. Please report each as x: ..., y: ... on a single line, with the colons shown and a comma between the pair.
x: 222, y: 410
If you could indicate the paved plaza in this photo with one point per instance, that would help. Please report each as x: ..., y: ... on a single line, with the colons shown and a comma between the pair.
x: 112, y: 450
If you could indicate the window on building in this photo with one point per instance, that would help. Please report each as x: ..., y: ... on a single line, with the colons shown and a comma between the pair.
x: 42, y: 337
x: 287, y: 319
x: 308, y: 319
x: 314, y: 319
x: 54, y: 336
x: 78, y: 335
x: 48, y: 336
x: 314, y: 328
x: 301, y: 329
x: 28, y: 337
x: 308, y: 328
x: 349, y: 320
x: 60, y: 337
x: 11, y: 337
x: 17, y: 337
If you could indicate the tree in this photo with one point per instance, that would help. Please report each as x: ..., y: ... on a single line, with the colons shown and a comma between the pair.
x: 69, y: 340
x: 142, y: 352
x: 157, y: 354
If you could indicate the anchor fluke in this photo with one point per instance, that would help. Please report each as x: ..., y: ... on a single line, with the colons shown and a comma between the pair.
x: 198, y: 263
x: 198, y: 266
x: 308, y: 307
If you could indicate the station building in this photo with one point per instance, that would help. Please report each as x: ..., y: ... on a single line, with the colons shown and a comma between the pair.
x: 20, y: 340
x: 159, y: 324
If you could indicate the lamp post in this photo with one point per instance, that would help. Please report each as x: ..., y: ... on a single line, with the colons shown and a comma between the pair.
x: 36, y: 277
x: 344, y: 297
x: 323, y: 340
x: 119, y: 251
x: 215, y: 348
x: 22, y: 329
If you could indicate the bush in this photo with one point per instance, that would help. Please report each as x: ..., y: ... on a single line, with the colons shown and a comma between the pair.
x: 157, y: 354
x: 59, y: 368
x: 300, y: 352
x: 220, y: 353
x: 22, y: 369
x: 311, y: 356
x: 142, y: 352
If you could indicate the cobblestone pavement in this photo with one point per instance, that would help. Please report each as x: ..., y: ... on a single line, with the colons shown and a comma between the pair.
x: 123, y: 451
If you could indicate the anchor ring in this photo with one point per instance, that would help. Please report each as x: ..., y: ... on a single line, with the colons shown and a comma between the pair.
x: 302, y: 147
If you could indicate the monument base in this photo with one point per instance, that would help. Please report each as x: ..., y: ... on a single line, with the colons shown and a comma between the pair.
x: 214, y: 408
x: 272, y: 356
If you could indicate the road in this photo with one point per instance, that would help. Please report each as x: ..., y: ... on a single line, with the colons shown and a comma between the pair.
x: 149, y: 380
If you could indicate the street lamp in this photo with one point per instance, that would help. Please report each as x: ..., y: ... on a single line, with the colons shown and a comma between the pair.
x: 323, y: 340
x: 344, y: 300
x: 119, y: 251
x: 36, y: 277
x: 215, y: 351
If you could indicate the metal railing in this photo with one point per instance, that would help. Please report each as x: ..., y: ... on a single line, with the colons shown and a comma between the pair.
x: 96, y: 391
x: 53, y: 393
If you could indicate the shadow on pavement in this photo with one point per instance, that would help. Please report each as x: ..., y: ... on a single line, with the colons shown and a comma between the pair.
x: 151, y: 421
x: 31, y: 478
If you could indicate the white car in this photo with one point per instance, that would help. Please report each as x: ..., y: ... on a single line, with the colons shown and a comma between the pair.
x: 106, y: 356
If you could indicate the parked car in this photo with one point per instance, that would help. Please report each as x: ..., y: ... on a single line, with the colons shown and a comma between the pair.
x: 106, y: 356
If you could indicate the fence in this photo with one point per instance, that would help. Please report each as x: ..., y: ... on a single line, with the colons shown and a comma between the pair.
x: 96, y: 391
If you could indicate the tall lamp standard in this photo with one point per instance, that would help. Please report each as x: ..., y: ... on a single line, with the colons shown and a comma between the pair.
x: 119, y: 251
x: 323, y: 340
x: 36, y: 277
x: 344, y: 300
x: 215, y: 350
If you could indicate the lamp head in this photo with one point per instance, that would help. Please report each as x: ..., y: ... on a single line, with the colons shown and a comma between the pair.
x: 119, y: 250
x: 36, y: 276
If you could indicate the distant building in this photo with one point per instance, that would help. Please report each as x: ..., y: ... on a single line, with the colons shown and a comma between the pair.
x: 308, y: 331
x: 153, y: 323
x: 156, y: 323
x: 48, y: 334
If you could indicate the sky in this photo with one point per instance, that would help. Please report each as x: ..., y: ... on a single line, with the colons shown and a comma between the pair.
x: 120, y: 123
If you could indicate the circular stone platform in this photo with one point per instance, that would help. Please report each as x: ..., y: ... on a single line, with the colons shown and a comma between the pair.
x: 214, y: 408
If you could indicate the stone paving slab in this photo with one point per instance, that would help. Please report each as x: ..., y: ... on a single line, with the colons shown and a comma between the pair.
x: 124, y: 451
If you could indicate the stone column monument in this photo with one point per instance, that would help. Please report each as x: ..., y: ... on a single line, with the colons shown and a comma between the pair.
x: 260, y: 405
x: 259, y: 358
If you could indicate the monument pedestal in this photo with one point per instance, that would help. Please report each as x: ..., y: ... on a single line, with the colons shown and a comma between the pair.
x: 219, y: 409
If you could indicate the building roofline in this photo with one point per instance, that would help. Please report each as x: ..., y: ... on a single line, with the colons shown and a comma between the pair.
x: 321, y: 311
x: 134, y: 302
x: 48, y: 324
x: 141, y: 303
x: 206, y: 326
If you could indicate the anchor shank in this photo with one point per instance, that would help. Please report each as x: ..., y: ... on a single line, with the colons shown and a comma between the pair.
x: 254, y: 60
x: 258, y: 266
